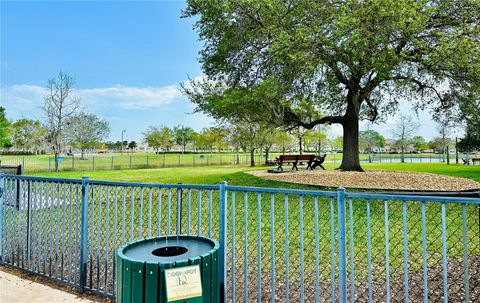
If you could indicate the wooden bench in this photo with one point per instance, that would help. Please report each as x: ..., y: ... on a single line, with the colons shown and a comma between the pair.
x: 311, y: 160
x: 475, y: 160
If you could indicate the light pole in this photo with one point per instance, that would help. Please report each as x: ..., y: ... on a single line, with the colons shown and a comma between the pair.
x: 121, y: 149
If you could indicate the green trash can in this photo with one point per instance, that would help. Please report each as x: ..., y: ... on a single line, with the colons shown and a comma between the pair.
x: 178, y: 269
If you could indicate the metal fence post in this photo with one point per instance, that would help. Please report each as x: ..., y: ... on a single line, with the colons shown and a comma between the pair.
x: 179, y: 210
x: 84, y: 235
x: 342, y: 246
x: 29, y: 202
x: 222, y: 273
x: 2, y: 199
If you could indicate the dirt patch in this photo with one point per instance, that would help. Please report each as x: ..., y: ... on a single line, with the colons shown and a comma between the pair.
x: 456, y: 291
x: 20, y: 286
x: 374, y: 179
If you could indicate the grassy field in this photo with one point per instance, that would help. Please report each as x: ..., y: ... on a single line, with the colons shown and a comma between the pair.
x: 236, y: 175
x: 45, y: 163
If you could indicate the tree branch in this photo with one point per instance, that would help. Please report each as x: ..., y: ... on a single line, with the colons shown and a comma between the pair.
x: 294, y: 120
x: 421, y: 86
x: 373, y: 108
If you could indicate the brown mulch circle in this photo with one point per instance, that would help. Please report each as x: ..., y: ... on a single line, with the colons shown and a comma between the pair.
x: 374, y: 179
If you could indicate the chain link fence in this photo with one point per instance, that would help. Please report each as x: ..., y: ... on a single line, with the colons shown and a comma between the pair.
x: 32, y: 164
x: 278, y: 244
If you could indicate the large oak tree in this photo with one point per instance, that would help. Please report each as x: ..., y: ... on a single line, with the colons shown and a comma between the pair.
x: 349, y: 60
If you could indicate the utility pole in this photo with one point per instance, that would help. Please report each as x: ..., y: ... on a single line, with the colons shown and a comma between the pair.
x: 121, y: 149
x: 456, y: 150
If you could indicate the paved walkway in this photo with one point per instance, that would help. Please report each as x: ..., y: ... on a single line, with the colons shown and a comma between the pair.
x: 14, y: 289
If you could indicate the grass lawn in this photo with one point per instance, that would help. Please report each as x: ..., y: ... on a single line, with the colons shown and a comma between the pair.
x: 116, y: 161
x: 236, y: 175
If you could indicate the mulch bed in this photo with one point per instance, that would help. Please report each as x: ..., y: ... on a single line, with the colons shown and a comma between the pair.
x: 374, y: 179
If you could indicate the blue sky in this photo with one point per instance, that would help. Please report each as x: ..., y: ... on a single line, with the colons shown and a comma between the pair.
x: 128, y: 59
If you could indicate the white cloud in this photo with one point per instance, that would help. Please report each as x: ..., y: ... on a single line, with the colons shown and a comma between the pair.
x: 129, y: 97
x: 25, y: 100
x: 22, y: 100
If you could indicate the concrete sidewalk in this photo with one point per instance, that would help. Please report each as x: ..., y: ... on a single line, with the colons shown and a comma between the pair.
x: 14, y: 289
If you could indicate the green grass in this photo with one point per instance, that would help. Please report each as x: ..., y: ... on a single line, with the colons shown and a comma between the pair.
x: 236, y: 175
x: 45, y: 163
x: 116, y: 161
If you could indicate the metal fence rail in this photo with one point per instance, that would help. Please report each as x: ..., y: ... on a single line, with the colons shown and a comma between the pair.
x: 278, y: 245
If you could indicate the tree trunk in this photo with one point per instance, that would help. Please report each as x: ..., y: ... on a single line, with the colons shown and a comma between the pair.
x: 56, y: 162
x: 350, y: 159
x: 300, y: 143
x: 83, y: 153
x: 252, y: 157
x: 266, y: 155
x: 402, y: 157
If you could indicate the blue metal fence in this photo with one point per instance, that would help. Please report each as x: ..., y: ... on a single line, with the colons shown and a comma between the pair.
x: 278, y: 245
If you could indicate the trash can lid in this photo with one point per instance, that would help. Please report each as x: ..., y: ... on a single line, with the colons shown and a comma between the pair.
x: 168, y: 249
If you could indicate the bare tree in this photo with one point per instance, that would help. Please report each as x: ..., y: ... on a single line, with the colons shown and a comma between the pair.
x: 299, y: 134
x: 59, y: 105
x: 444, y: 128
x: 403, y: 131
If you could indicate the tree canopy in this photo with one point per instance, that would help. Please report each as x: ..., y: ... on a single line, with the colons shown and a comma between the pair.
x: 370, y: 139
x: 159, y: 137
x: 183, y: 135
x: 28, y: 134
x: 349, y: 60
x: 86, y: 130
x: 470, y: 113
x: 4, y: 127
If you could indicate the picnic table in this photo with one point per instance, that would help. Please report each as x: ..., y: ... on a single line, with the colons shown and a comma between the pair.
x: 312, y: 161
x: 466, y: 161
